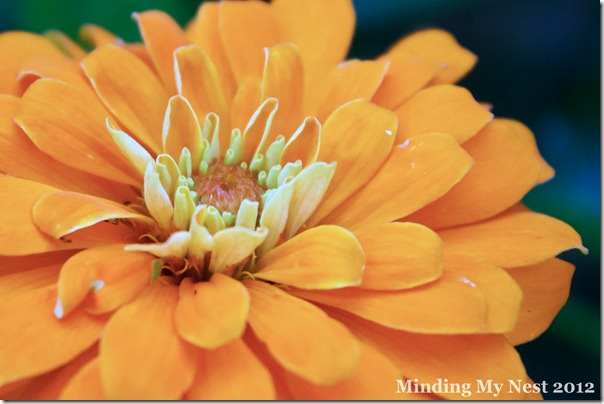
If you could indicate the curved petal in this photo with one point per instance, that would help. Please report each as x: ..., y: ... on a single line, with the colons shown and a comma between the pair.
x: 28, y: 316
x: 19, y: 157
x: 322, y: 30
x: 513, y: 239
x: 204, y: 32
x: 61, y: 213
x: 162, y: 36
x: 257, y: 129
x: 97, y: 36
x: 304, y: 143
x: 246, y: 101
x: 246, y: 28
x: 502, y: 295
x: 181, y: 129
x: 130, y: 90
x: 445, y: 108
x: 283, y: 79
x: 449, y: 305
x: 399, y: 255
x: 65, y: 44
x: 68, y: 124
x: 346, y: 82
x: 324, y: 257
x: 367, y: 132
x: 407, y: 74
x: 458, y: 359
x: 212, y: 314
x: 15, y: 48
x: 231, y: 372
x: 546, y: 286
x: 493, y: 184
x: 67, y: 70
x: 141, y: 356
x: 441, y: 47
x: 415, y: 174
x: 301, y: 337
x: 113, y: 276
x: 85, y: 385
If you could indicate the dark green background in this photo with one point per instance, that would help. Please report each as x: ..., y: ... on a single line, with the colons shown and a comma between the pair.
x: 539, y: 62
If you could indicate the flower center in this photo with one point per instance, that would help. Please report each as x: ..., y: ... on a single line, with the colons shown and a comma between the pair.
x: 225, y: 187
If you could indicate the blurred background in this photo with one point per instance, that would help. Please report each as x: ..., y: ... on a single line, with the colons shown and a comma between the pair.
x: 539, y: 62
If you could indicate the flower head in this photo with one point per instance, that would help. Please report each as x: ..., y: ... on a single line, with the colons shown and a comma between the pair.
x: 234, y: 211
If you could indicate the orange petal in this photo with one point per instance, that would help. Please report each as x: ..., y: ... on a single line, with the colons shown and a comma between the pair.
x: 452, y: 358
x: 27, y: 317
x: 162, y: 36
x: 97, y: 36
x: 68, y: 124
x: 547, y: 172
x: 441, y: 47
x: 502, y: 295
x: 399, y: 255
x: 212, y: 314
x: 19, y: 157
x: 231, y: 372
x: 246, y: 28
x: 85, y: 385
x: 324, y: 257
x: 374, y: 380
x: 494, y: 183
x: 445, y: 108
x: 346, y: 82
x: 546, y: 286
x: 15, y: 48
x: 449, y: 305
x: 513, y: 239
x: 304, y: 144
x: 61, y: 68
x: 301, y: 337
x: 113, y: 274
x: 65, y: 44
x: 15, y: 265
x: 130, y: 90
x: 408, y: 73
x: 322, y: 30
x: 415, y: 174
x: 258, y: 128
x: 197, y: 80
x: 204, y: 32
x: 61, y: 213
x: 283, y: 79
x: 181, y: 129
x: 246, y: 101
x: 141, y: 355
x: 24, y: 281
x: 358, y: 157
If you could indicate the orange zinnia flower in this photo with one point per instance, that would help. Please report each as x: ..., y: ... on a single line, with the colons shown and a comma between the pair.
x: 231, y: 211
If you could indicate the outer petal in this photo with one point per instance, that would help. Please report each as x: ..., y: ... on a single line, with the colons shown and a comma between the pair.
x: 29, y: 316
x: 162, y: 36
x: 324, y: 257
x: 116, y: 275
x: 23, y: 281
x: 442, y: 48
x: 513, y: 239
x: 212, y: 314
x: 399, y: 255
x: 61, y: 213
x: 12, y: 265
x: 367, y: 132
x: 61, y: 68
x: 415, y: 174
x: 502, y: 295
x: 542, y: 299
x: 407, y: 74
x: 130, y: 91
x: 346, y: 82
x: 457, y: 358
x: 141, y: 355
x: 445, y: 108
x: 231, y: 372
x: 450, y: 305
x: 68, y: 124
x: 246, y: 29
x: 85, y: 385
x: 301, y: 337
x: 507, y: 165
x: 15, y: 48
x: 322, y: 30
